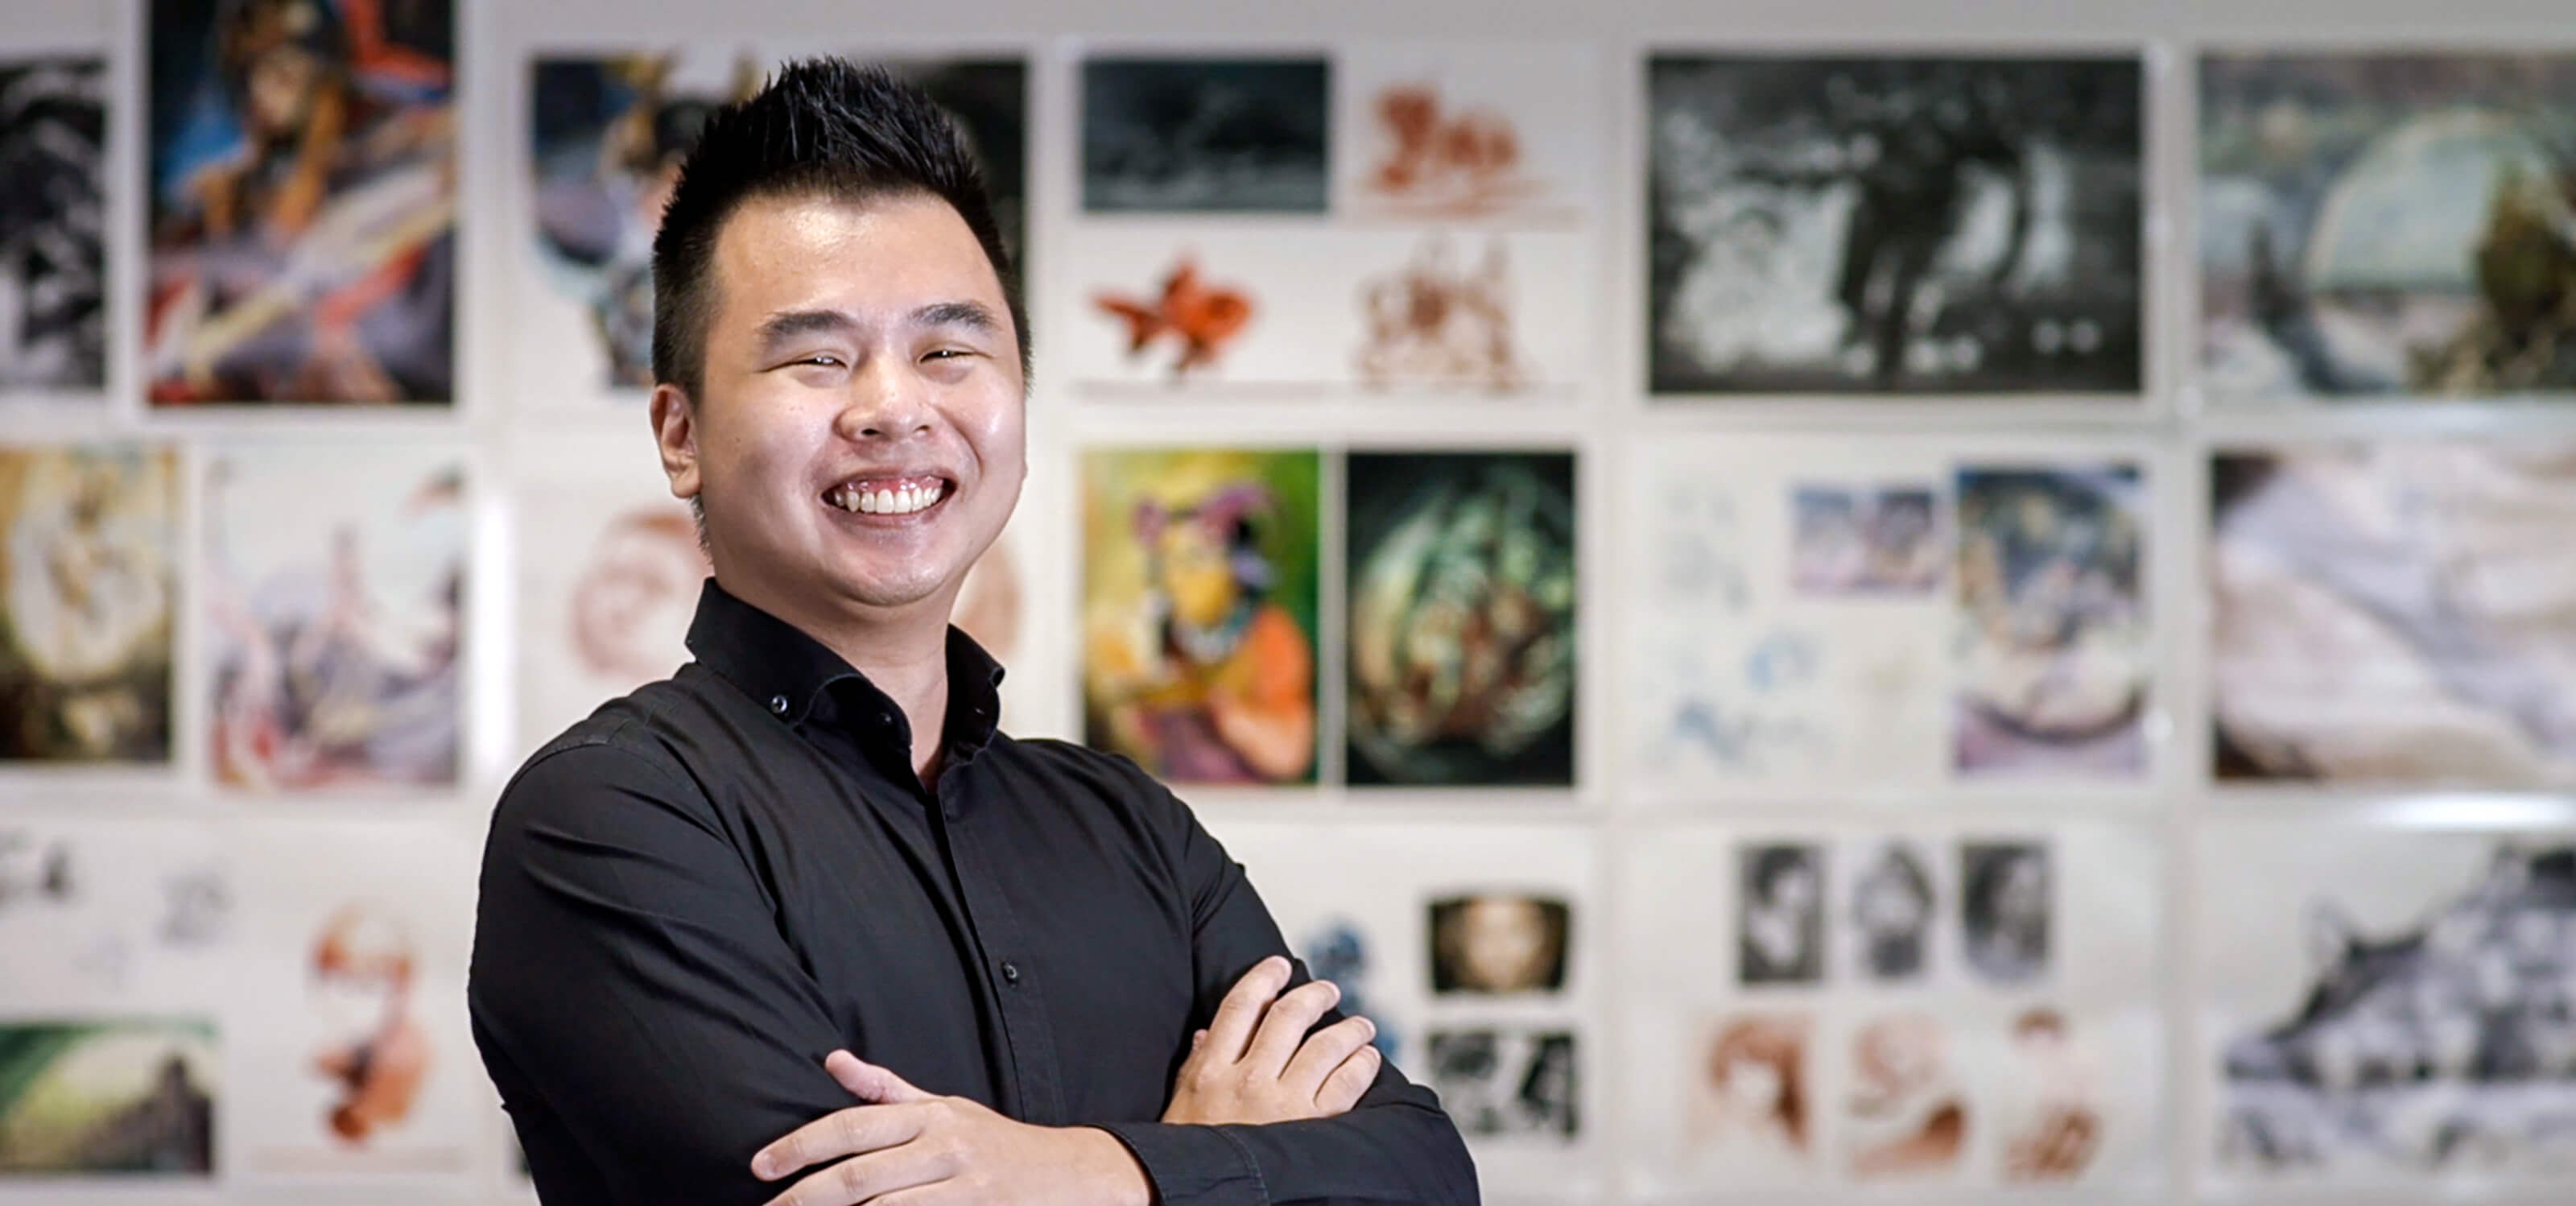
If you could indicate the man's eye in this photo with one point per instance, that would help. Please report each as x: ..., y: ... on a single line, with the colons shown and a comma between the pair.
x: 946, y: 354
x: 825, y: 359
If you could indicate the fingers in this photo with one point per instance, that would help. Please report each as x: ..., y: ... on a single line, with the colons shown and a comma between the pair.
x: 1343, y: 1089
x: 869, y: 1178
x: 1324, y: 1051
x: 868, y: 1082
x: 1231, y: 1031
x: 847, y: 1132
x: 1284, y: 1028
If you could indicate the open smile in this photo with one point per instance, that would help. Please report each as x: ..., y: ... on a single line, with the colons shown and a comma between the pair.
x: 890, y: 496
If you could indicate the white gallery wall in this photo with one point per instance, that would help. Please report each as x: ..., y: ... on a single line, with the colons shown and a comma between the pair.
x: 2171, y: 1023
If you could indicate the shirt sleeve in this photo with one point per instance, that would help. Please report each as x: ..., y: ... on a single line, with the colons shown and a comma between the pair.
x: 648, y: 1026
x: 1396, y: 1146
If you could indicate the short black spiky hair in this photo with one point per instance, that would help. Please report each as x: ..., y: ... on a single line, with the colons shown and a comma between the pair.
x: 822, y: 127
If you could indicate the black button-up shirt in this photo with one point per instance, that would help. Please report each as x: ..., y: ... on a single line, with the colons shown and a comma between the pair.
x: 695, y: 894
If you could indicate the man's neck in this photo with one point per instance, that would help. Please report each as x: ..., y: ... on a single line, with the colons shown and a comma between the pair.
x: 903, y: 652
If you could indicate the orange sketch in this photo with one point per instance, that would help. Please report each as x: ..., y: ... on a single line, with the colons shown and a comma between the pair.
x: 377, y: 1054
x: 1907, y: 1116
x: 1432, y: 321
x: 1454, y: 164
x: 1201, y: 318
x: 2062, y: 1135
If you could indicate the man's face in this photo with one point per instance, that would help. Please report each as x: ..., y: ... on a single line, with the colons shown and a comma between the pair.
x: 860, y: 435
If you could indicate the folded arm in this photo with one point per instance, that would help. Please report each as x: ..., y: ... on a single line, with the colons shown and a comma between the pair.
x: 1395, y: 1146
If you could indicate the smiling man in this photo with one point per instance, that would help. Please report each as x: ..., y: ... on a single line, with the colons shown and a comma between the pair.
x: 799, y: 923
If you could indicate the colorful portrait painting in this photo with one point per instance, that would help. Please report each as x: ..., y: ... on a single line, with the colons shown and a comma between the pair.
x: 1199, y: 606
x: 1462, y: 618
x: 607, y: 138
x: 98, y: 1098
x: 2387, y: 225
x: 2394, y: 612
x: 334, y: 600
x: 2054, y: 662
x: 89, y: 603
x: 1902, y: 225
x: 53, y: 222
x: 303, y: 201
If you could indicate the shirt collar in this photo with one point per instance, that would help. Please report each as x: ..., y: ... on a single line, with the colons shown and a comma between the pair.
x: 794, y: 677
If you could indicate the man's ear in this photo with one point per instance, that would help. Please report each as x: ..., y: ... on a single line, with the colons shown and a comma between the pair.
x: 675, y: 429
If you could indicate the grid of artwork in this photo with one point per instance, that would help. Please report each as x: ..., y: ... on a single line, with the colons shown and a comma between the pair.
x: 1764, y: 663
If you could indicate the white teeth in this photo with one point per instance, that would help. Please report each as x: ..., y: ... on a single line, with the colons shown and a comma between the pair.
x: 890, y: 501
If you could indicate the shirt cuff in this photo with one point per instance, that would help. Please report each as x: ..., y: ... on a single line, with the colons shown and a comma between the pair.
x: 1193, y: 1165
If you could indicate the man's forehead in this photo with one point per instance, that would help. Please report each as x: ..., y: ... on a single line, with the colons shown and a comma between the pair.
x: 772, y: 231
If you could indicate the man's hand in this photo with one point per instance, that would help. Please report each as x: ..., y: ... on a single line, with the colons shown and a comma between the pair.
x: 913, y: 1148
x: 1255, y: 1064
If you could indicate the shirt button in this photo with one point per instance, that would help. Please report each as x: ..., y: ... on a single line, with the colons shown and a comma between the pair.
x: 1011, y: 972
x: 778, y: 704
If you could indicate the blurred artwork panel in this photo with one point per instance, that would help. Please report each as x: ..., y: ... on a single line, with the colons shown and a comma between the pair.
x: 99, y: 1098
x: 2397, y: 612
x: 1199, y: 611
x: 610, y: 571
x: 2391, y: 1007
x: 1462, y: 618
x: 1908, y: 225
x: 1205, y: 135
x: 53, y: 222
x: 99, y: 914
x: 2387, y: 225
x: 1499, y: 943
x: 1242, y: 310
x: 2054, y: 1122
x: 1442, y: 318
x: 302, y: 166
x: 1476, y: 132
x: 1754, y: 1093
x: 607, y: 138
x: 89, y: 607
x: 335, y: 575
x: 352, y: 1058
x: 1906, y: 1113
x: 2053, y: 662
x: 1854, y: 540
x: 1507, y: 1083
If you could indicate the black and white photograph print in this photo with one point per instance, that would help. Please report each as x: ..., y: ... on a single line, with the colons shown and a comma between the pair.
x: 1893, y: 911
x: 1205, y: 135
x: 1780, y: 926
x: 2392, y: 1007
x: 53, y: 222
x: 1494, y: 943
x: 1902, y: 225
x: 1498, y: 1083
x: 2007, y: 897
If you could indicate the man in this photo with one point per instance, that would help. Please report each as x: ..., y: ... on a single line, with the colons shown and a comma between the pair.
x: 726, y: 905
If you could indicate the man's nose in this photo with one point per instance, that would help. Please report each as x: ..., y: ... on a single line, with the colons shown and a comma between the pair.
x: 887, y: 402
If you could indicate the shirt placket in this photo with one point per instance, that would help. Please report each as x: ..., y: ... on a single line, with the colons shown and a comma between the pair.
x: 1028, y: 1037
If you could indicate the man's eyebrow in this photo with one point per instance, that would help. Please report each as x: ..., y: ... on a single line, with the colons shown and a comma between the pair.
x: 969, y: 314
x: 788, y: 324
